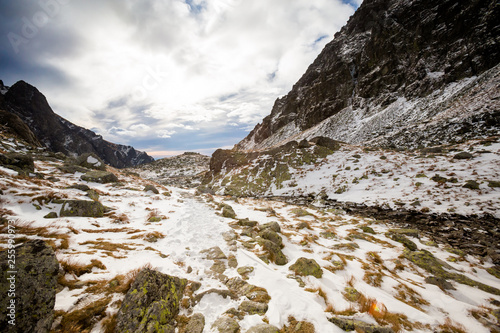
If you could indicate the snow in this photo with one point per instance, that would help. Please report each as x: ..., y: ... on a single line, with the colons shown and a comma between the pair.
x: 94, y: 161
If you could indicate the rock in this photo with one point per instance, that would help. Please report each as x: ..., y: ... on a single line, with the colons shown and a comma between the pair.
x: 432, y: 150
x: 66, y: 168
x: 247, y: 223
x: 405, y: 241
x: 83, y: 208
x: 471, y: 184
x: 272, y: 236
x: 493, y: 183
x: 214, y: 253
x: 92, y: 194
x: 359, y: 326
x: 151, y: 304
x: 351, y: 294
x: 51, y: 215
x: 408, y: 232
x: 440, y: 282
x: 226, y: 325
x: 229, y: 236
x: 196, y: 324
x: 90, y: 161
x: 227, y: 211
x: 245, y: 270
x: 14, y: 124
x: 252, y: 308
x: 274, y: 251
x: 263, y: 328
x: 102, y: 177
x: 239, y: 287
x: 368, y: 229
x: 305, y: 267
x: 323, y: 141
x: 463, y: 156
x: 274, y: 226
x: 151, y: 188
x: 21, y: 163
x: 304, y: 144
x: 303, y: 225
x: 35, y: 285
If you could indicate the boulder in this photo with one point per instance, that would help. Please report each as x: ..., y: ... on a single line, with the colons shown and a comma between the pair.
x: 151, y: 188
x: 33, y: 287
x: 359, y: 326
x: 274, y: 226
x: 410, y: 245
x: 326, y: 142
x: 151, y: 304
x: 304, y: 144
x: 90, y: 161
x: 274, y: 251
x: 21, y: 163
x: 226, y: 325
x: 272, y: 236
x: 102, y: 177
x: 51, y: 215
x: 214, y: 253
x: 83, y: 208
x: 463, y: 156
x: 252, y: 308
x: 228, y: 211
x: 196, y: 324
x: 263, y: 328
x: 305, y: 266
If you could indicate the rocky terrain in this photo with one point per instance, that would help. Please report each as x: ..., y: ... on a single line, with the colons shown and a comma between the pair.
x: 118, y: 253
x: 399, y: 74
x: 23, y: 106
x: 185, y: 170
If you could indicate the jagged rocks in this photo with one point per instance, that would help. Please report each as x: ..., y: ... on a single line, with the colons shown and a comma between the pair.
x: 263, y: 328
x: 90, y: 161
x: 226, y: 325
x: 83, y: 208
x: 252, y: 308
x: 214, y: 253
x: 151, y: 304
x: 102, y: 177
x: 196, y: 324
x: 33, y: 287
x: 274, y: 251
x: 405, y: 241
x: 228, y: 211
x: 305, y: 267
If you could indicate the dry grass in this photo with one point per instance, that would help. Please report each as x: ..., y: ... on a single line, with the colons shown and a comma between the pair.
x: 77, y: 268
x: 107, y: 246
x: 24, y: 228
x: 109, y: 324
x: 48, y: 197
x: 124, y: 229
x: 295, y: 326
x: 409, y: 296
x: 151, y: 237
x: 83, y: 319
x: 450, y: 327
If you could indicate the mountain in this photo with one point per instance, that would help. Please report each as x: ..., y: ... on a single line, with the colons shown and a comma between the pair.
x: 400, y: 74
x: 185, y: 170
x: 58, y: 134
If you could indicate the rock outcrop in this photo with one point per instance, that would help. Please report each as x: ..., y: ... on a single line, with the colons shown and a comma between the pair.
x: 60, y: 135
x: 397, y: 67
x: 151, y: 304
x: 28, y: 288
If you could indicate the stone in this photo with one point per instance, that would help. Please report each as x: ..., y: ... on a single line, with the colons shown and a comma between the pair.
x: 214, y: 253
x: 151, y: 188
x: 21, y: 163
x: 471, y: 184
x: 81, y: 187
x: 245, y: 270
x: 247, y: 223
x: 368, y: 230
x: 359, y: 326
x: 263, y: 328
x: 274, y: 226
x: 463, y: 156
x: 274, y: 252
x: 228, y: 211
x: 440, y: 282
x: 304, y: 144
x: 351, y: 294
x: 252, y: 308
x: 271, y: 235
x: 196, y: 324
x: 151, y: 304
x: 92, y: 194
x: 304, y: 267
x: 323, y: 141
x: 226, y: 325
x: 51, y: 215
x: 90, y: 161
x: 410, y: 245
x: 35, y: 287
x: 407, y: 232
x: 83, y: 208
x: 102, y: 177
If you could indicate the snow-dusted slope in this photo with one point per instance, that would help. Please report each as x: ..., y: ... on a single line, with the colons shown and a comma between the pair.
x: 361, y: 264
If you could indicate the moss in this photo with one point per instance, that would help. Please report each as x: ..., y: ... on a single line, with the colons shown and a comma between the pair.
x: 305, y: 267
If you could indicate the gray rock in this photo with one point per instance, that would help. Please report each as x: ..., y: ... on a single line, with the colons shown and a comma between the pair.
x: 410, y: 245
x: 92, y: 194
x: 272, y: 236
x: 83, y: 208
x: 90, y: 161
x: 440, y: 282
x: 151, y: 304
x: 102, y: 177
x: 274, y: 226
x: 81, y: 187
x: 51, y: 215
x: 252, y: 308
x: 305, y: 266
x: 463, y: 156
x: 304, y: 144
x: 228, y: 211
x: 263, y: 328
x: 214, y: 253
x: 274, y: 251
x: 196, y: 324
x: 358, y: 325
x: 21, y: 163
x: 151, y: 188
x: 226, y: 325
x: 247, y: 223
x: 34, y: 287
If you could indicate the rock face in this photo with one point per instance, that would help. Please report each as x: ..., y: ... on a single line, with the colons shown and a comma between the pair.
x: 60, y: 135
x: 395, y: 65
x: 151, y: 304
x: 17, y: 127
x: 33, y: 288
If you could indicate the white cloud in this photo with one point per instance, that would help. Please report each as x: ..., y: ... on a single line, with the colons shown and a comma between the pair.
x: 172, y: 66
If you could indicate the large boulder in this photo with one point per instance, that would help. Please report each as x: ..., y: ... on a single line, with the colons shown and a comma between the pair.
x: 263, y: 328
x: 151, y: 304
x: 27, y: 297
x: 90, y: 161
x: 305, y: 266
x: 226, y: 325
x: 102, y: 177
x: 21, y: 163
x: 83, y: 208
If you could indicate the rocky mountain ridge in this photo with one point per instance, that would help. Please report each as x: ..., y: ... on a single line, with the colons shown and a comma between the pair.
x: 398, y: 68
x: 58, y: 134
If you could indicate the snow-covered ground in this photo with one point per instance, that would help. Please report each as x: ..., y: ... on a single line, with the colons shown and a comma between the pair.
x: 189, y: 223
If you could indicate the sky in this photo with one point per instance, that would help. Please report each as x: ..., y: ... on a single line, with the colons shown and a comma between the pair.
x: 165, y: 76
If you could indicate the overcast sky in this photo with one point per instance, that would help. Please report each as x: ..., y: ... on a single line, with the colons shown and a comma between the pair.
x: 165, y: 76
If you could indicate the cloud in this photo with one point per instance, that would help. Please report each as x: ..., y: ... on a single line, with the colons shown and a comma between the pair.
x: 168, y: 68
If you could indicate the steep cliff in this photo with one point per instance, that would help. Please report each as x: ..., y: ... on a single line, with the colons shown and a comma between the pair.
x: 60, y: 135
x: 398, y: 73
